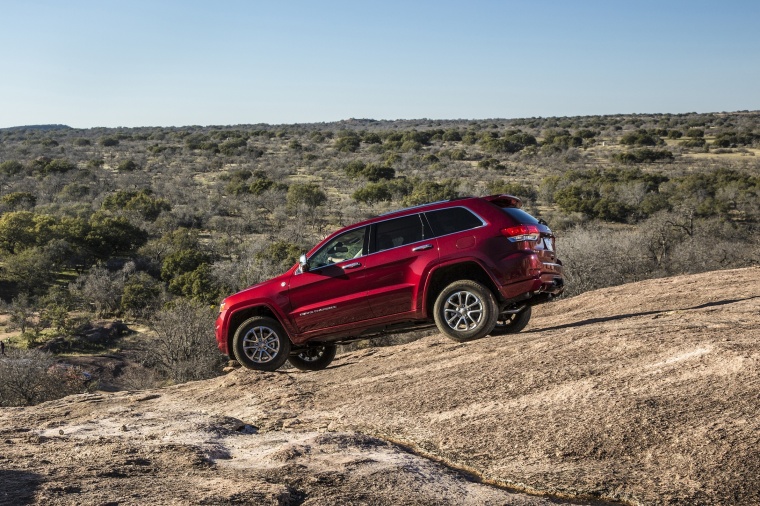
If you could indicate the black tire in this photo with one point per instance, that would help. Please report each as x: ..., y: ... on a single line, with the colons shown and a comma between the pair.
x: 511, y: 323
x: 261, y: 344
x: 465, y: 310
x: 314, y: 358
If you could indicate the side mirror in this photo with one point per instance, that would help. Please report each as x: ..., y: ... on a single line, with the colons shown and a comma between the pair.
x: 303, y: 263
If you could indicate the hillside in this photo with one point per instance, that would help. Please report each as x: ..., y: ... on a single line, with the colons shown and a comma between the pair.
x: 647, y: 393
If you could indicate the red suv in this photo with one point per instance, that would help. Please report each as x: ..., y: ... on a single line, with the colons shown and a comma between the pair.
x: 474, y: 266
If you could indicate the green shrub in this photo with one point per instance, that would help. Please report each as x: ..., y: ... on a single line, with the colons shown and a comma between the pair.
x: 372, y: 194
x: 127, y: 166
x: 644, y: 156
x: 11, y: 167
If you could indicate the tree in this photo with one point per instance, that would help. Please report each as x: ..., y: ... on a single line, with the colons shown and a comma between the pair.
x: 32, y: 270
x: 21, y: 312
x: 17, y: 231
x: 109, y: 236
x: 100, y: 289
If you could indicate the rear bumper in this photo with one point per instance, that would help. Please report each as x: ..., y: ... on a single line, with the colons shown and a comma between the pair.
x: 539, y: 282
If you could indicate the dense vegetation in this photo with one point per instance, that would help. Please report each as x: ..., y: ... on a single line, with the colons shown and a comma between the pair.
x: 141, y: 223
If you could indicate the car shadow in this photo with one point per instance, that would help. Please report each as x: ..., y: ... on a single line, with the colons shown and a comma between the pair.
x: 18, y: 487
x: 591, y: 321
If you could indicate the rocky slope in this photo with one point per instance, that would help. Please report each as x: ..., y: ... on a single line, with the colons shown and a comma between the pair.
x: 646, y: 393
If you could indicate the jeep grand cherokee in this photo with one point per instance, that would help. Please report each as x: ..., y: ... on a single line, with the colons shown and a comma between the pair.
x: 472, y: 266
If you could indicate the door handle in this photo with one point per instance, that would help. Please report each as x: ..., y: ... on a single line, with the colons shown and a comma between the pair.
x: 353, y: 265
x: 423, y: 247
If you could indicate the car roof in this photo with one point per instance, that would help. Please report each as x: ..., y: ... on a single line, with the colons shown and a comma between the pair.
x: 500, y: 200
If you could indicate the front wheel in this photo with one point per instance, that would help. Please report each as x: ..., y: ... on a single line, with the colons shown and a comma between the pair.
x: 261, y: 344
x: 465, y: 310
x: 314, y: 358
x: 510, y: 322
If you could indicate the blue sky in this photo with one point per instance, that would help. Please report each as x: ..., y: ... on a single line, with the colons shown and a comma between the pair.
x: 173, y: 63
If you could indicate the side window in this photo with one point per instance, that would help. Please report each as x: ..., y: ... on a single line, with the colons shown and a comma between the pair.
x: 454, y: 219
x: 393, y: 233
x: 343, y: 247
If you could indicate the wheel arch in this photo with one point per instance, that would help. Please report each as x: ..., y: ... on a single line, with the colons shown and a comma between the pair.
x: 244, y: 314
x: 444, y: 275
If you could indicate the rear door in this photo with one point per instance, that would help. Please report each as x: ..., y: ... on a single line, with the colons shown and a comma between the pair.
x: 402, y: 249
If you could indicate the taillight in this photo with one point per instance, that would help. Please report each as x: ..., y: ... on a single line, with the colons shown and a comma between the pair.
x: 521, y: 233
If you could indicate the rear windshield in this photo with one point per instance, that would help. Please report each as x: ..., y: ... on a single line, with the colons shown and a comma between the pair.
x: 520, y: 216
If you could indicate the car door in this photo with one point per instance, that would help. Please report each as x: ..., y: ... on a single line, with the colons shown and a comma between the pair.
x: 402, y: 249
x: 332, y: 291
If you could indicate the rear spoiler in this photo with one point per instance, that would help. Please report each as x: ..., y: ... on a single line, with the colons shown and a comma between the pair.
x: 504, y: 200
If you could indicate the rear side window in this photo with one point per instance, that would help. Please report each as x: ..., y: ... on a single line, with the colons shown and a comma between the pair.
x: 454, y: 219
x: 520, y: 216
x: 393, y: 233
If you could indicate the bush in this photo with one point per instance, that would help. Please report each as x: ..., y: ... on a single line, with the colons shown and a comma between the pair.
x: 183, y: 350
x: 695, y: 133
x: 181, y: 262
x: 31, y: 376
x: 141, y: 201
x: 641, y: 138
x: 59, y: 165
x: 347, y: 141
x: 232, y: 146
x: 19, y: 199
x: 141, y: 295
x: 644, y: 156
x: 525, y: 193
x: 198, y: 285
x: 693, y: 143
x: 108, y: 141
x: 431, y: 191
x: 281, y: 253
x: 308, y: 194
x: 11, y: 168
x: 127, y: 166
x: 372, y: 194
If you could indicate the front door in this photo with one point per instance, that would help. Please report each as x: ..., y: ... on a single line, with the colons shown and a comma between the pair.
x: 332, y: 292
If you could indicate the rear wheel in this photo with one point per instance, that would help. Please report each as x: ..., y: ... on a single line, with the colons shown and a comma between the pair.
x: 511, y: 321
x: 314, y: 358
x: 465, y: 310
x: 261, y: 344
